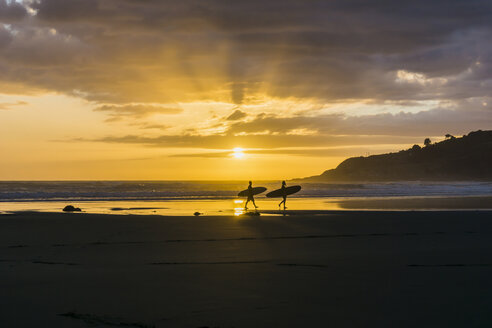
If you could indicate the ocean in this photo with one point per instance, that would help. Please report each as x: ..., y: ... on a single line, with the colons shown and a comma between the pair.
x: 219, y: 197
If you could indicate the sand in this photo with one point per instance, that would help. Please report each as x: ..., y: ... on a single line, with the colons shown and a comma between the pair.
x: 339, y: 269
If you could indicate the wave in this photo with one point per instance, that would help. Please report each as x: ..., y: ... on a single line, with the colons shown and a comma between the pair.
x: 182, y: 190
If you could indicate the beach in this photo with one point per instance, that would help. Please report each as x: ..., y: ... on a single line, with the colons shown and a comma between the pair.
x: 339, y: 269
x: 245, y: 164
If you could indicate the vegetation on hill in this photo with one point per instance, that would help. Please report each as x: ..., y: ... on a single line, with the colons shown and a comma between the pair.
x: 458, y: 159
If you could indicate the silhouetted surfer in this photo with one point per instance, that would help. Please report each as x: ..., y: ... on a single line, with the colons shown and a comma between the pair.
x: 284, y: 195
x: 250, y: 196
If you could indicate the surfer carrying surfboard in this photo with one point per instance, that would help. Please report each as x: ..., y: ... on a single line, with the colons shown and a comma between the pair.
x: 284, y: 195
x: 249, y: 193
x: 250, y: 196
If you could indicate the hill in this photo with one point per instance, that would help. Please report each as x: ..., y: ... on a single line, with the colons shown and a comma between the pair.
x: 454, y: 159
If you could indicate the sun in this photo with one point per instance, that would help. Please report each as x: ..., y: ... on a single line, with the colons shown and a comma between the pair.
x: 238, y: 153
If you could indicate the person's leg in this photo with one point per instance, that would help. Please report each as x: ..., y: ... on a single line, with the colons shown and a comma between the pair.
x: 253, y: 200
x: 246, y: 205
x: 285, y: 201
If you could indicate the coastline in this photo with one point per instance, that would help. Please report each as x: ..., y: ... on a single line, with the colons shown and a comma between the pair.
x: 235, y: 206
x: 344, y: 268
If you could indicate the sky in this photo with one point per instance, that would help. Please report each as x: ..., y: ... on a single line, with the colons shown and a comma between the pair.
x: 221, y: 89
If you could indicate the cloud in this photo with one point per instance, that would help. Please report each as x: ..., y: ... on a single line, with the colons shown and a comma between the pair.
x: 11, y: 11
x: 308, y: 152
x: 5, y: 37
x: 125, y: 51
x: 149, y: 126
x: 255, y: 141
x: 118, y: 112
x: 432, y: 122
x: 67, y: 11
x: 237, y: 115
x: 219, y: 154
x: 271, y: 132
x: 9, y: 105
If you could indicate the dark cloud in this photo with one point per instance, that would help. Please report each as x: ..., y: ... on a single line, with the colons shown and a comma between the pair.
x: 5, y: 37
x: 123, y: 51
x: 237, y: 115
x: 67, y: 11
x: 432, y: 122
x: 11, y: 11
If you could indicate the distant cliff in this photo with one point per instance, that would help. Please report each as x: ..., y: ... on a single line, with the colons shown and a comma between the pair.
x: 458, y: 159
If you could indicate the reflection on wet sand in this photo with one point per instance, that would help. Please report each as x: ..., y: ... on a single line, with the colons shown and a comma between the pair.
x: 238, y: 207
x: 417, y: 203
x: 267, y: 206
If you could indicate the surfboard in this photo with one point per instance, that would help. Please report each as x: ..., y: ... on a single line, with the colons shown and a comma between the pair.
x: 287, y: 191
x: 255, y: 191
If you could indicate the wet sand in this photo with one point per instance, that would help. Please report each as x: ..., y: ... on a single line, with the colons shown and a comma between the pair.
x: 339, y: 269
x: 231, y: 206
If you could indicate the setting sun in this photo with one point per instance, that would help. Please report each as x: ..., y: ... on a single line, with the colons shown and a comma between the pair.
x: 238, y: 153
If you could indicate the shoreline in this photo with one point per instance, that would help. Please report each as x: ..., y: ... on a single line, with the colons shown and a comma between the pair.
x: 235, y: 206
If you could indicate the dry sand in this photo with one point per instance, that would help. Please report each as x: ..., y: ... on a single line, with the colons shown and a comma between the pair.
x: 344, y: 269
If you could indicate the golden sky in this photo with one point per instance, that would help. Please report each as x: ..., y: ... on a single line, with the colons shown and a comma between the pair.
x: 126, y: 89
